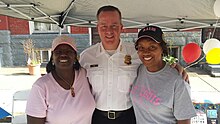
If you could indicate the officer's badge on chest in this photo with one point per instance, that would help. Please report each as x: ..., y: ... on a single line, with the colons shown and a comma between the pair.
x: 127, y: 59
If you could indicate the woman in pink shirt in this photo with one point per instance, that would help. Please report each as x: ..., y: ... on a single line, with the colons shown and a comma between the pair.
x: 63, y: 95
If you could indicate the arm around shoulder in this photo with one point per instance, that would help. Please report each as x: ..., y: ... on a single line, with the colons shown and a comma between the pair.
x: 183, y: 121
x: 181, y: 71
x: 35, y: 120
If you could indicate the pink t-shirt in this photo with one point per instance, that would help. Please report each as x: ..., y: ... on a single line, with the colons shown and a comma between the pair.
x: 48, y: 99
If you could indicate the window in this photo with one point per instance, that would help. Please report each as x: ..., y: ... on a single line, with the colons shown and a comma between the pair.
x: 45, y: 54
x: 47, y: 28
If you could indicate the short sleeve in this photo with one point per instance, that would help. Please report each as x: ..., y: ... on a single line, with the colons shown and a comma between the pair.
x: 183, y: 107
x: 36, y: 103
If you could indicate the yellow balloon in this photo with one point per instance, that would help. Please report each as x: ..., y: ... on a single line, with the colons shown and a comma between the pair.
x: 213, y: 56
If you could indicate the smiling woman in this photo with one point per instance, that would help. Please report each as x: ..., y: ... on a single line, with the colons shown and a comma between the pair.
x: 64, y: 92
x: 158, y: 89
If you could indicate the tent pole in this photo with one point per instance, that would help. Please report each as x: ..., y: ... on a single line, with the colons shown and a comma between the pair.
x: 64, y: 15
x: 90, y: 36
x: 60, y: 30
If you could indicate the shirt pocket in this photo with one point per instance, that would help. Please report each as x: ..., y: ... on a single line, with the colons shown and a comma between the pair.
x: 96, y: 78
x: 126, y: 76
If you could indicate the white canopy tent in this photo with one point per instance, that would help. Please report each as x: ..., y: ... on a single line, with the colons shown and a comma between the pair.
x: 170, y: 15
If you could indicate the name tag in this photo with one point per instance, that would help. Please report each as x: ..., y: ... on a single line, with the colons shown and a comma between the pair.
x: 95, y: 65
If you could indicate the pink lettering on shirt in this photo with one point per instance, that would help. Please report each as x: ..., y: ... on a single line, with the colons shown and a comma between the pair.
x: 143, y: 93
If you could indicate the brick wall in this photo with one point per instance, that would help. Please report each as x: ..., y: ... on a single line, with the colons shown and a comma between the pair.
x: 21, y: 27
x: 130, y: 30
x: 79, y: 30
x: 18, y: 26
x: 4, y: 22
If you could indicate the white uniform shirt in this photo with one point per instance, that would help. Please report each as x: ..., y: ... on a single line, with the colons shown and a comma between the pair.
x: 110, y: 77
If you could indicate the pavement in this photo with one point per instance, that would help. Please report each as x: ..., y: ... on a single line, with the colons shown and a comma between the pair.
x: 204, y: 87
x: 11, y: 81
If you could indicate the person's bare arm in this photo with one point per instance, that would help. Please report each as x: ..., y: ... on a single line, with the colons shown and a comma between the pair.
x: 34, y: 120
x: 181, y: 71
x: 183, y: 121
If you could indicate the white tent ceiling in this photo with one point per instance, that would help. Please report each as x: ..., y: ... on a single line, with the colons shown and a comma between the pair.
x: 172, y: 15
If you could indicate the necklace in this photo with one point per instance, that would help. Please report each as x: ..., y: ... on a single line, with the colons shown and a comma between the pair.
x: 71, y: 86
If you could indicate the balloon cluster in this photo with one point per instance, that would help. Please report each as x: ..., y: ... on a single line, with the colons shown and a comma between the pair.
x: 192, y: 51
x: 217, y: 8
x: 211, y: 48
